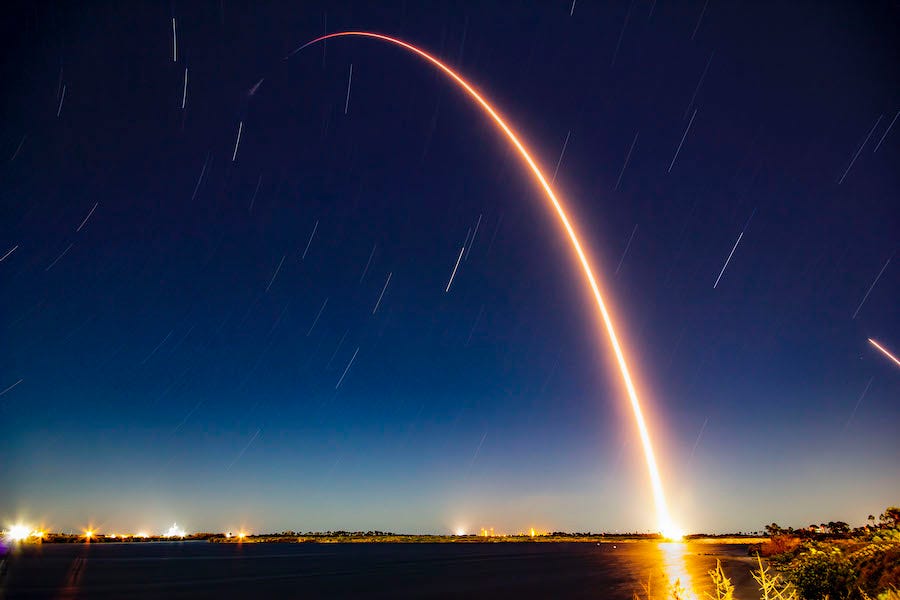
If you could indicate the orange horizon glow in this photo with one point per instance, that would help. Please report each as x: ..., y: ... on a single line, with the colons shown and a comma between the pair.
x: 667, y: 528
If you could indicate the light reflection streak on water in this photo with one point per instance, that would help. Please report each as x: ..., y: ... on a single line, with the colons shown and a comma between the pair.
x: 675, y: 571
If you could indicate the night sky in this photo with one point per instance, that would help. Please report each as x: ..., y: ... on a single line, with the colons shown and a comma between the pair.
x: 169, y: 357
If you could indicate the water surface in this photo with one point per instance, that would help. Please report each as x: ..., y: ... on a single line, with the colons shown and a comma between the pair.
x: 204, y: 570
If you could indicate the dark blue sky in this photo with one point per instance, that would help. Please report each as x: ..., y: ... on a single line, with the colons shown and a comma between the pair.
x: 165, y: 375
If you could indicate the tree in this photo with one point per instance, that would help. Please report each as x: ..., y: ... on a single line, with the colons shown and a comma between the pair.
x: 890, y: 517
x: 839, y: 527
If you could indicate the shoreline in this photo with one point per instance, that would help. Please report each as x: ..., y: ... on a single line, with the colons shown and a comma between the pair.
x: 398, y: 539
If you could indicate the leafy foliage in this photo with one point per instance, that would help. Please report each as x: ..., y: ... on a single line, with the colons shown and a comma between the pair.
x: 818, y: 574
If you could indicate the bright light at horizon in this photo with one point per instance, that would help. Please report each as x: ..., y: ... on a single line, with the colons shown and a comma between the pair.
x: 175, y: 531
x: 664, y: 521
x: 18, y: 532
x: 672, y: 532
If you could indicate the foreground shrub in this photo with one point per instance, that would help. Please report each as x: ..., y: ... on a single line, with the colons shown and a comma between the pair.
x: 770, y: 585
x: 778, y: 545
x: 818, y: 575
x: 878, y: 567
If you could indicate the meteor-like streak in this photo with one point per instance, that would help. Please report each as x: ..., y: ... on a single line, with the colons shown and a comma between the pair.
x: 11, y: 250
x: 733, y: 248
x: 238, y: 141
x: 96, y: 204
x: 349, y: 364
x: 728, y: 260
x: 61, y: 99
x: 871, y: 287
x: 184, y: 93
x: 349, y: 81
x: 275, y: 274
x: 383, y: 290
x: 318, y: 315
x: 665, y: 524
x: 455, y: 267
x: 308, y: 243
x: 884, y: 351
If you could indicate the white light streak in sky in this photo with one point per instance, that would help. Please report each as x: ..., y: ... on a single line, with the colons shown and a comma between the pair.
x: 455, y: 267
x: 238, y: 141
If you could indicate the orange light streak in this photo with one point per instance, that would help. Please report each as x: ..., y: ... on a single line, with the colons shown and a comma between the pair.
x: 662, y: 512
x: 884, y: 351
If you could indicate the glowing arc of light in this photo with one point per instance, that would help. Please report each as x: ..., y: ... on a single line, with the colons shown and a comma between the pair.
x: 885, y: 351
x: 667, y: 528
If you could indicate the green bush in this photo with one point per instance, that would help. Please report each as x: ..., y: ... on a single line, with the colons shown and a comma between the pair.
x: 818, y: 575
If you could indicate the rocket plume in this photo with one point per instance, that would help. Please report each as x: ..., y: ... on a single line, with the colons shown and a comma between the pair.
x: 665, y: 524
x: 884, y: 351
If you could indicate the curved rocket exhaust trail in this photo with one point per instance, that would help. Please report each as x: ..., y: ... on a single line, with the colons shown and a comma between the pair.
x: 666, y: 526
x: 884, y: 351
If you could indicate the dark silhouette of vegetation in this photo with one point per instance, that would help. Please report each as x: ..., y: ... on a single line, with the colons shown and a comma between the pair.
x: 832, y: 560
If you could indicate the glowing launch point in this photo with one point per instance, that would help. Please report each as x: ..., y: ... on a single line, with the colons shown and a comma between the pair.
x: 671, y: 532
x: 662, y: 512
x: 18, y: 532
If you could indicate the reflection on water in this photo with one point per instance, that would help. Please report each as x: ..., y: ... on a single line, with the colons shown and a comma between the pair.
x: 675, y: 570
x: 188, y: 569
x: 680, y: 570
